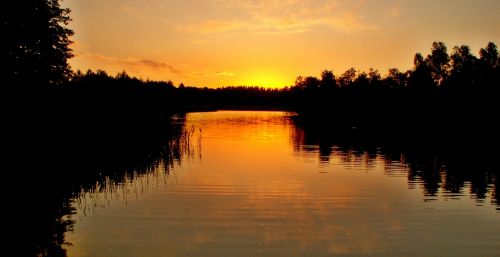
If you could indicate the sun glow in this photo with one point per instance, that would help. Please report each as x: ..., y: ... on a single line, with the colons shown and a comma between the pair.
x: 267, y: 43
x: 267, y: 79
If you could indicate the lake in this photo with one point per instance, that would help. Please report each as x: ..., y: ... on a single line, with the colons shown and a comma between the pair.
x: 257, y: 183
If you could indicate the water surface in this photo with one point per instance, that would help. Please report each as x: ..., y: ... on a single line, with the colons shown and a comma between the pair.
x: 256, y: 184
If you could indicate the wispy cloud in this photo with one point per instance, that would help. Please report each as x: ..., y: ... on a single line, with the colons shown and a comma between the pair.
x: 131, y: 12
x: 214, y: 26
x: 209, y: 72
x: 279, y: 16
x: 136, y: 65
x: 224, y: 73
x: 394, y: 12
x: 141, y: 67
x: 159, y: 65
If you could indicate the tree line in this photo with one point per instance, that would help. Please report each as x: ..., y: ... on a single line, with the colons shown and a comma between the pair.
x: 442, y: 87
x: 58, y: 118
x: 440, y: 93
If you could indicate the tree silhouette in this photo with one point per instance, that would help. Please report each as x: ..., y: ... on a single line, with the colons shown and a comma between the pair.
x: 347, y: 77
x: 420, y: 80
x: 489, y: 69
x: 362, y: 81
x: 374, y: 76
x: 395, y: 78
x: 489, y: 55
x: 462, y: 60
x: 438, y: 62
x: 307, y: 83
x: 464, y: 73
x: 35, y: 44
x: 328, y: 79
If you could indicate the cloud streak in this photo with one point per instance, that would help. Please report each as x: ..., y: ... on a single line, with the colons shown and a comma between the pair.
x: 131, y: 63
x: 209, y: 72
x: 140, y: 67
x: 159, y: 65
x: 224, y: 73
x: 283, y: 16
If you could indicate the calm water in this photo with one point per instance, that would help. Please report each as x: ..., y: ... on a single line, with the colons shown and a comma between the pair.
x: 255, y: 184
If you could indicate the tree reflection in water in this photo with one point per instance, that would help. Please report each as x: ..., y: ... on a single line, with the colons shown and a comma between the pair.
x: 440, y: 166
x: 88, y: 169
x: 85, y: 159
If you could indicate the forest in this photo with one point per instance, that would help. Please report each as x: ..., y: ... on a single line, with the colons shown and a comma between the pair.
x: 56, y: 117
x: 444, y: 91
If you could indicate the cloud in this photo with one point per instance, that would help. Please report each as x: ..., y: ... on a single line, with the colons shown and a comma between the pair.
x: 142, y: 67
x: 213, y: 26
x: 159, y: 65
x: 224, y: 73
x: 394, y: 12
x: 132, y: 64
x: 283, y: 16
x: 209, y: 72
x: 132, y: 12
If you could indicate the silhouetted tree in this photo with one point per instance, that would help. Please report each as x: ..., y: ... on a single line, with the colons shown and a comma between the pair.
x: 347, y: 77
x: 438, y: 62
x: 489, y: 55
x: 462, y: 60
x: 489, y: 69
x: 374, y: 76
x: 395, y: 78
x: 307, y: 83
x: 420, y: 80
x: 328, y: 79
x: 362, y: 81
x: 35, y: 43
x: 463, y: 73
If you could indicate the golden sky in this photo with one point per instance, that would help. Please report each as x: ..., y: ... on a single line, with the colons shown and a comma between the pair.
x: 269, y: 42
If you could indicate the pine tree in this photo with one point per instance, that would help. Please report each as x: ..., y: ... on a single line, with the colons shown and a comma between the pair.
x: 35, y: 43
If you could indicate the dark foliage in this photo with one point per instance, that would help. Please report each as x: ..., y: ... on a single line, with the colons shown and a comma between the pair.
x: 44, y: 175
x: 441, y: 97
x: 129, y: 99
x: 35, y: 45
x: 58, y: 119
x: 449, y: 168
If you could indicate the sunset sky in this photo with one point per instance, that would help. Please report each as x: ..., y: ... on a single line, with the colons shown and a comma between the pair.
x: 269, y: 42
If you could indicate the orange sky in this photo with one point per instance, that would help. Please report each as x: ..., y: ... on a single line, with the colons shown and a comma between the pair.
x: 269, y: 42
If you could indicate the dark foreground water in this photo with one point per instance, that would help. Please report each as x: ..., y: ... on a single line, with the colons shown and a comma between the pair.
x: 257, y: 184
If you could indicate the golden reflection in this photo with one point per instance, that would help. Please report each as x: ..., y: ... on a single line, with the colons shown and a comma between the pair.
x: 253, y: 194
